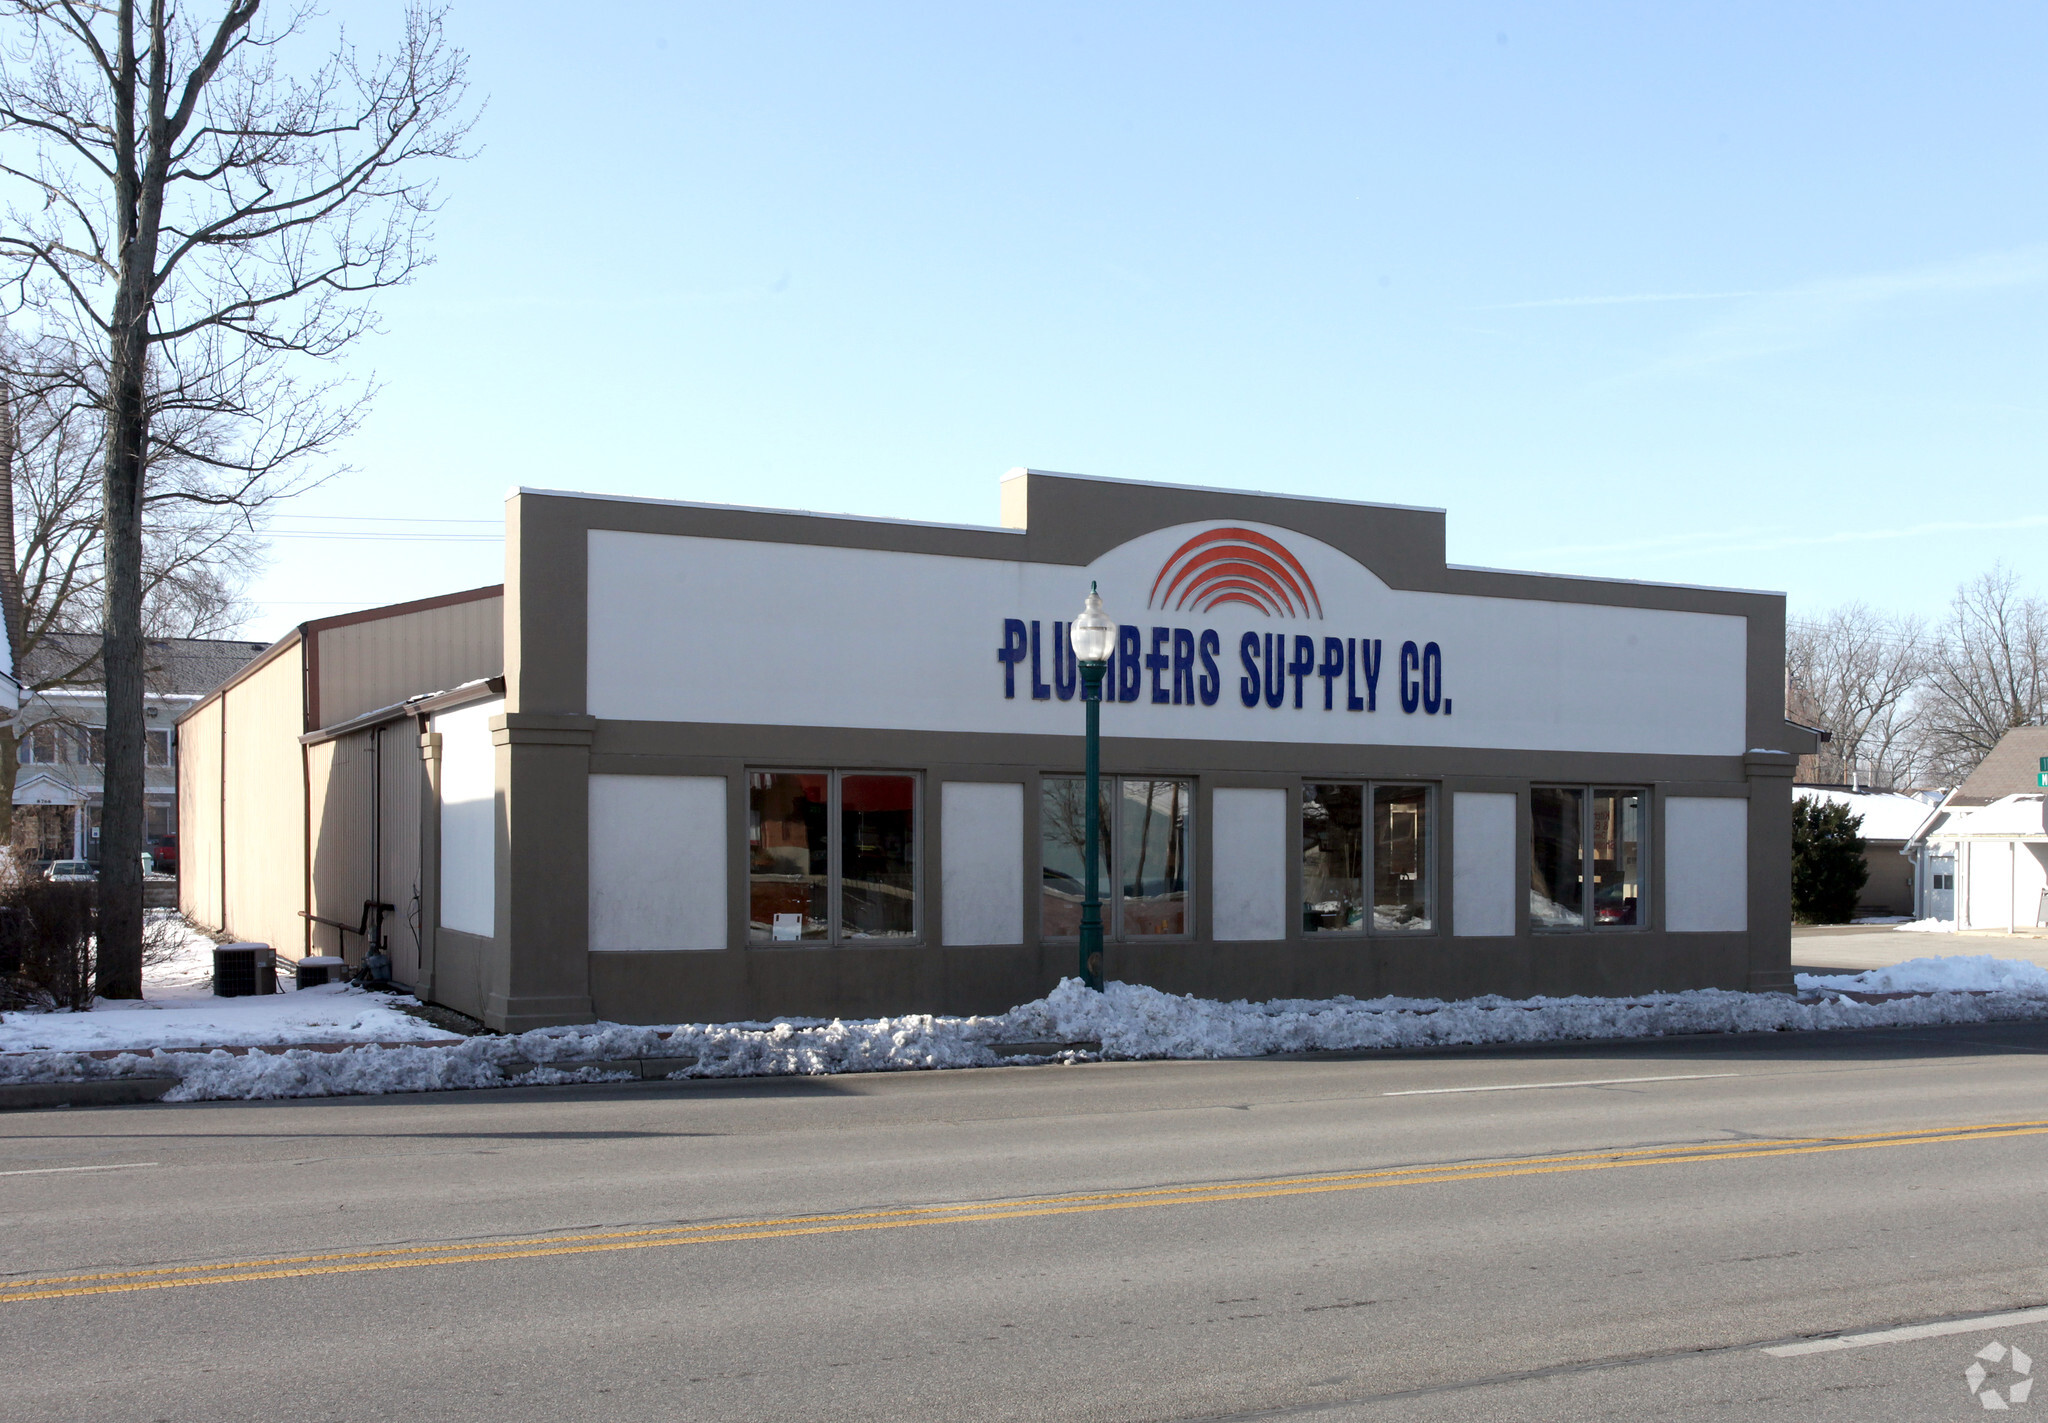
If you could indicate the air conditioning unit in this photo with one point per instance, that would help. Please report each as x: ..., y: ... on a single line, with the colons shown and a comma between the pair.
x: 243, y: 970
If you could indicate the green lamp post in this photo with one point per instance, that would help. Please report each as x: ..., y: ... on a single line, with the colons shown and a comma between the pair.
x: 1093, y: 636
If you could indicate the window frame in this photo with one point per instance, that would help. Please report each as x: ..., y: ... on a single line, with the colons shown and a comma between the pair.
x: 1112, y: 887
x: 1590, y: 914
x: 1370, y: 838
x: 835, y: 934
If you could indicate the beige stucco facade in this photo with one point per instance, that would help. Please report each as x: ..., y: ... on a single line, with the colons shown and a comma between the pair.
x: 585, y: 832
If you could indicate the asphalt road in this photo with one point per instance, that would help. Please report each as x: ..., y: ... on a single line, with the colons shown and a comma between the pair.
x: 1303, y: 1238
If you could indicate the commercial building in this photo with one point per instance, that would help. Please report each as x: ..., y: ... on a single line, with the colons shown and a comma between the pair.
x: 743, y: 762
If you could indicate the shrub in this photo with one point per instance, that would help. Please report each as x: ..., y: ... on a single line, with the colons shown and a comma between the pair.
x: 1828, y: 873
x: 55, y: 931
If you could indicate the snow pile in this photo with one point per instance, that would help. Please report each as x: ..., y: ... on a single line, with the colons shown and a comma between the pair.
x: 1127, y: 1020
x: 1927, y: 926
x: 1951, y: 973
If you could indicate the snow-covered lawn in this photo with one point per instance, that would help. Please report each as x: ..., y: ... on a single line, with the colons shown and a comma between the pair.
x: 178, y: 1010
x: 1127, y: 1021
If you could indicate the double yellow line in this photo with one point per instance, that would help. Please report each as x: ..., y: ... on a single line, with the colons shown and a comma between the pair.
x: 350, y: 1262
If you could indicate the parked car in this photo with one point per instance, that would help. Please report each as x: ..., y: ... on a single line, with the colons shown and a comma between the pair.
x: 71, y: 872
x: 164, y: 849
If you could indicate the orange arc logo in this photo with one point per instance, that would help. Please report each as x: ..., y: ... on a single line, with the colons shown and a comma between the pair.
x: 1235, y: 566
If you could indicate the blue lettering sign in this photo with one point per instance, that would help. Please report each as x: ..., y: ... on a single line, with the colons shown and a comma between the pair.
x: 1128, y: 654
x: 1015, y: 638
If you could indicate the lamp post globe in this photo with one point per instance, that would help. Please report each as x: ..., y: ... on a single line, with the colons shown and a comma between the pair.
x: 1093, y: 633
x: 1093, y: 636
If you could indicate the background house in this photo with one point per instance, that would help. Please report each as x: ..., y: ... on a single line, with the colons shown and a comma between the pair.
x: 1981, y: 858
x: 62, y: 751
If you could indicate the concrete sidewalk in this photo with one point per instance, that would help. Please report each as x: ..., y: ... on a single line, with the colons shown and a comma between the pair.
x: 1857, y: 948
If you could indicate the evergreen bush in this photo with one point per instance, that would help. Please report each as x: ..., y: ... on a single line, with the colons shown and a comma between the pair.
x: 1828, y: 873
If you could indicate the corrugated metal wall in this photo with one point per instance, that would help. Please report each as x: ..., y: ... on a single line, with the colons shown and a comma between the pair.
x: 245, y: 816
x: 264, y: 834
x: 403, y: 778
x: 348, y: 828
x: 366, y: 665
x: 338, y: 779
x: 199, y: 817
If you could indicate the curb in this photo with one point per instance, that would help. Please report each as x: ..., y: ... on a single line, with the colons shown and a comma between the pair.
x: 99, y: 1092
x: 647, y: 1069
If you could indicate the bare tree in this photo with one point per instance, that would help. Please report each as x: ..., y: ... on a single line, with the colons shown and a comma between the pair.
x: 1987, y: 672
x: 1852, y: 672
x: 198, y: 219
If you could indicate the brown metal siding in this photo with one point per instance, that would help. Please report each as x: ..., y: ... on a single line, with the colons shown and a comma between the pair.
x: 338, y: 780
x: 368, y: 664
x: 199, y: 828
x: 401, y: 837
x: 264, y: 835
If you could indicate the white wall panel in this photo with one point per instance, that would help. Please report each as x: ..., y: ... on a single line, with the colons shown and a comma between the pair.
x: 1706, y: 864
x: 1482, y: 864
x: 658, y: 863
x: 781, y: 634
x: 1248, y: 874
x: 981, y: 847
x: 469, y: 817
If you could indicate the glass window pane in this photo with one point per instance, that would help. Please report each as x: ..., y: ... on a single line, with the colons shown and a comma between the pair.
x: 1557, y: 868
x: 1332, y: 857
x: 877, y: 850
x: 1618, y: 857
x: 1400, y: 858
x: 787, y: 868
x: 1152, y: 850
x: 1063, y: 855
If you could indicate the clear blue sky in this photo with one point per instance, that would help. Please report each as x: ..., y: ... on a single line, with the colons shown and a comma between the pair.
x: 1735, y: 294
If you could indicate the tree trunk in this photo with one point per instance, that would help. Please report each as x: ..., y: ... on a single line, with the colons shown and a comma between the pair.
x: 121, y: 656
x: 11, y: 620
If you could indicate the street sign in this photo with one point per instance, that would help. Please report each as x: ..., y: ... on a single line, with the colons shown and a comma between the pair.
x: 2042, y: 778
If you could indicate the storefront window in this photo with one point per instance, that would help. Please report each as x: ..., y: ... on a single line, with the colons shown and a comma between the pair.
x: 1152, y: 846
x: 1341, y: 866
x: 1332, y: 857
x: 877, y: 876
x: 1063, y: 854
x: 1618, y: 857
x: 1557, y: 891
x: 807, y: 885
x: 1581, y: 837
x: 1400, y: 858
x: 1144, y: 871
x: 788, y: 856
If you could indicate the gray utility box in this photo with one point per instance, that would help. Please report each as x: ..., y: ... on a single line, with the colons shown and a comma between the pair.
x: 242, y: 970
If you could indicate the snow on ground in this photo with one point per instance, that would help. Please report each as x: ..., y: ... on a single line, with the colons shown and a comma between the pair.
x: 1928, y: 926
x: 1129, y: 1021
x: 1949, y: 973
x: 178, y: 1010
